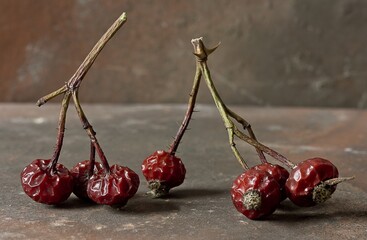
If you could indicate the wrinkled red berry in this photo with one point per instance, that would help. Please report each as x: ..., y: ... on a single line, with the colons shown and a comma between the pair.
x: 255, y: 194
x: 44, y: 185
x: 305, y: 182
x: 278, y: 172
x: 113, y: 188
x: 80, y: 173
x: 163, y: 171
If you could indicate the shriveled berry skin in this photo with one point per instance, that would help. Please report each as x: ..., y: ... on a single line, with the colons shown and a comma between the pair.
x: 80, y: 173
x: 113, y: 188
x: 278, y: 172
x: 45, y: 186
x: 305, y: 177
x: 260, y: 182
x: 163, y: 170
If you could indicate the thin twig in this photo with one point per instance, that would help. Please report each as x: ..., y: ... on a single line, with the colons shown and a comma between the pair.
x: 189, y: 111
x: 92, y: 159
x: 61, y: 131
x: 247, y: 126
x: 91, y: 133
x: 50, y: 96
x: 75, y: 81
x: 202, y: 54
x: 71, y: 89
x: 264, y: 148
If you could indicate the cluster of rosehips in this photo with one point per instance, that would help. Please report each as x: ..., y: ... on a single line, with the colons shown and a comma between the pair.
x: 259, y: 190
x: 49, y: 182
x: 256, y: 193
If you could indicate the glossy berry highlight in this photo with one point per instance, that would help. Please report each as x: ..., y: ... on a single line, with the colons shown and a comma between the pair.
x: 163, y: 171
x: 45, y: 185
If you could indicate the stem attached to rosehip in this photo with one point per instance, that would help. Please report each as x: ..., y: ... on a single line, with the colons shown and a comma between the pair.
x: 60, y: 132
x: 91, y: 133
x: 325, y: 189
x: 188, y: 114
x: 202, y: 53
x: 247, y: 126
x: 48, y: 182
x: 312, y: 182
x: 72, y: 87
x: 163, y: 170
x: 92, y: 158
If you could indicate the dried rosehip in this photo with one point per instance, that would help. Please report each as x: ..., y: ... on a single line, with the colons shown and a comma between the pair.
x: 307, y: 183
x: 81, y: 174
x: 115, y: 187
x: 255, y: 194
x: 278, y: 172
x: 45, y: 185
x: 163, y: 171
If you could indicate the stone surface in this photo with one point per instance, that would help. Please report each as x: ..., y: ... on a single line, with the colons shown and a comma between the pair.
x: 201, y: 208
x: 290, y: 52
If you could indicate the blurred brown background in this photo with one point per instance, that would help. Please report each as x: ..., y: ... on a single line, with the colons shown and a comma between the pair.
x: 293, y: 53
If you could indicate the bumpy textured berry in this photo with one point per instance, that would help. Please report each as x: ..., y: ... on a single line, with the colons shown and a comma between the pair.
x: 44, y: 185
x: 80, y: 173
x: 255, y: 194
x: 278, y: 172
x: 114, y: 188
x: 306, y: 177
x: 163, y: 171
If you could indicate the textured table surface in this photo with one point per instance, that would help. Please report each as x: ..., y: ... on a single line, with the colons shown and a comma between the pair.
x: 201, y: 208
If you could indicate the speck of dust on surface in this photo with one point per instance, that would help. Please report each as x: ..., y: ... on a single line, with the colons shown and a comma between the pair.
x: 354, y: 151
x: 10, y: 235
x: 61, y: 222
x: 100, y: 227
x: 22, y: 120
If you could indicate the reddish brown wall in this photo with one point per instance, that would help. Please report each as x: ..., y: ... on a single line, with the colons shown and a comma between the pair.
x: 273, y: 52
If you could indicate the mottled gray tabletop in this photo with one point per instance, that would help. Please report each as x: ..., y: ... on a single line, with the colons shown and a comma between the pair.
x: 201, y: 208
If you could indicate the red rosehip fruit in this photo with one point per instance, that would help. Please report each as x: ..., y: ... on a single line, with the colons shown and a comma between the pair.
x: 163, y: 171
x: 45, y: 185
x: 81, y: 175
x: 115, y: 187
x: 278, y: 172
x: 255, y: 194
x: 307, y: 183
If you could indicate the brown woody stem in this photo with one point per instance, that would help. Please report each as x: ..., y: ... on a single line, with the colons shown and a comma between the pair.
x: 91, y: 133
x: 189, y: 111
x: 50, y: 96
x: 92, y: 158
x: 247, y: 126
x: 61, y: 131
x: 75, y: 81
x: 264, y: 148
x: 71, y: 89
x: 335, y: 181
